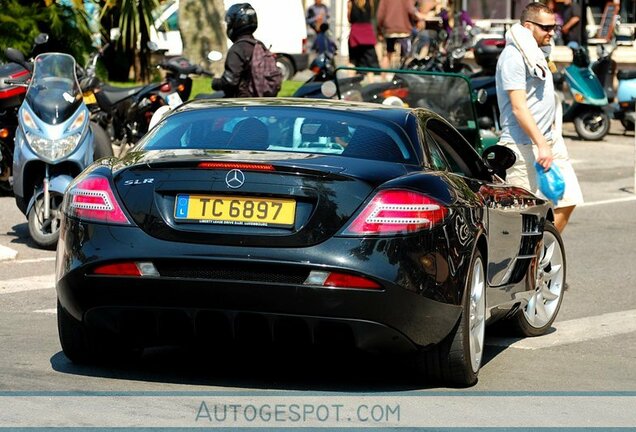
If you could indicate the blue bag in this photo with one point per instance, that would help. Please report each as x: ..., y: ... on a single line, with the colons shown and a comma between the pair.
x: 551, y: 183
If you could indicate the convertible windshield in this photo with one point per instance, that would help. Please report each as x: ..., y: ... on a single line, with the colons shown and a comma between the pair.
x: 285, y: 129
x: 449, y: 95
x: 54, y: 93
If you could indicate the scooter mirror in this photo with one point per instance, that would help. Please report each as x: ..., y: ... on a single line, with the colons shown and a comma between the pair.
x: 41, y: 39
x: 15, y: 56
x: 214, y: 56
x: 482, y: 96
x: 328, y: 89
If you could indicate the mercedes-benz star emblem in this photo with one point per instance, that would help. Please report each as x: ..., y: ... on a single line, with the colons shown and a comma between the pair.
x: 235, y: 179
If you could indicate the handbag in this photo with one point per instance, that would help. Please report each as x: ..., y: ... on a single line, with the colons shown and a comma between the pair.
x: 551, y: 183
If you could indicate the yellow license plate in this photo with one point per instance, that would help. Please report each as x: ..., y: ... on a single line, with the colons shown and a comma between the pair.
x: 230, y: 210
x: 89, y: 98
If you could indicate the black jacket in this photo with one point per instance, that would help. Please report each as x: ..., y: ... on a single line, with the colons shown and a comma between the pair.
x: 235, y: 81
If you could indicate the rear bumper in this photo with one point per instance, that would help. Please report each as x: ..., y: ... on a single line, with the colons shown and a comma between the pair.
x: 395, y: 318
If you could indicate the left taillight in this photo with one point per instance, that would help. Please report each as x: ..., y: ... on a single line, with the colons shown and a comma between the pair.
x: 397, y: 211
x: 92, y: 198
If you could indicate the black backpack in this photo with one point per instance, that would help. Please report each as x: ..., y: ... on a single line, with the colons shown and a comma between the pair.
x: 266, y: 78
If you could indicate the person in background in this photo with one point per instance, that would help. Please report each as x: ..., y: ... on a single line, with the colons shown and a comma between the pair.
x: 571, y: 30
x: 323, y: 44
x: 395, y: 21
x: 362, y: 38
x: 317, y: 14
x: 558, y: 37
x: 526, y: 98
x: 241, y: 22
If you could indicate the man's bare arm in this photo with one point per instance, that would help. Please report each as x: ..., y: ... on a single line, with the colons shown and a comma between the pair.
x: 529, y: 126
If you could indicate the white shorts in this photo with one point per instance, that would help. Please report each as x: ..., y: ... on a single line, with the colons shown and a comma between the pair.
x: 523, y: 173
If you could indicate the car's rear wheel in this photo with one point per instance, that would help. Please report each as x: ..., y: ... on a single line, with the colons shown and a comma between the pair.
x: 546, y: 280
x: 73, y: 337
x: 456, y: 361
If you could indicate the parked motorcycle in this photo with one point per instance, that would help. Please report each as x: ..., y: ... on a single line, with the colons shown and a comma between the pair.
x: 125, y: 112
x: 585, y: 101
x: 11, y: 98
x: 54, y: 142
x: 623, y: 98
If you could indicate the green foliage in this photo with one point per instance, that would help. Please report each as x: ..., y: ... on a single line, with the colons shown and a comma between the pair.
x: 67, y: 26
x: 202, y: 85
x: 134, y: 22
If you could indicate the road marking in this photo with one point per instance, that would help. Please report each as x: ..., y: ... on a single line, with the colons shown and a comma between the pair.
x: 575, y: 331
x: 27, y: 284
x: 609, y: 201
x: 47, y: 311
x: 7, y: 253
x: 33, y: 260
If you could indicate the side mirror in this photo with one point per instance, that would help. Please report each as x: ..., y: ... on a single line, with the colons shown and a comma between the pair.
x: 482, y: 96
x: 499, y: 159
x: 215, y: 56
x: 41, y: 39
x: 15, y: 56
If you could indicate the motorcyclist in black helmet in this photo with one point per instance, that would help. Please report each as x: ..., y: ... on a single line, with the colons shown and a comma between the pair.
x: 241, y: 23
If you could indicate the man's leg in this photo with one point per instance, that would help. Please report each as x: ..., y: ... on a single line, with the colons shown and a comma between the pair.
x: 562, y: 216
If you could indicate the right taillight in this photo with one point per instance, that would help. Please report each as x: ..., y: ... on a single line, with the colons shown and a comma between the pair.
x: 397, y: 211
x: 92, y: 198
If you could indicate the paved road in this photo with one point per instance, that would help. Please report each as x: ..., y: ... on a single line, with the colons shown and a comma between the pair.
x: 592, y: 350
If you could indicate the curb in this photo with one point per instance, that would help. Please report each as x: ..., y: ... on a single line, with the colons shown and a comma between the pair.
x: 7, y: 253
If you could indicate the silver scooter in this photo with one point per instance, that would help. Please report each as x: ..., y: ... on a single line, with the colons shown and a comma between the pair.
x: 54, y: 142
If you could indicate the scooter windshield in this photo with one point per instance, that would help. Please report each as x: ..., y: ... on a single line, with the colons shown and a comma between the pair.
x: 54, y: 93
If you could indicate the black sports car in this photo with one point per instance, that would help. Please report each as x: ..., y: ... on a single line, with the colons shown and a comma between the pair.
x: 296, y: 220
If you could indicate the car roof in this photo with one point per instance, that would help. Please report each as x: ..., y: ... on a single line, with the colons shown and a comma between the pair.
x: 392, y: 113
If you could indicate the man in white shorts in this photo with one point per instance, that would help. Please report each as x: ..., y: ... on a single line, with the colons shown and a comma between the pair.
x: 526, y: 98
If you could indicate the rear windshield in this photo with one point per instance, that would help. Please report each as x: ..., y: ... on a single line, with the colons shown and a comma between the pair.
x: 283, y: 129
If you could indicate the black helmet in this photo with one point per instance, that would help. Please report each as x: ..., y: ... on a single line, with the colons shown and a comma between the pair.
x: 240, y: 20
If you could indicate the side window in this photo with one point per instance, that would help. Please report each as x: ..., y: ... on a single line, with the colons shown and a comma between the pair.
x: 461, y: 157
x: 438, y: 160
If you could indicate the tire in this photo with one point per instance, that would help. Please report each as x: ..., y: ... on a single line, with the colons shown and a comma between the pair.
x: 101, y: 142
x: 457, y: 359
x: 592, y: 125
x: 45, y: 233
x: 6, y: 168
x: 286, y: 67
x: 546, y: 279
x: 628, y: 125
x: 73, y: 338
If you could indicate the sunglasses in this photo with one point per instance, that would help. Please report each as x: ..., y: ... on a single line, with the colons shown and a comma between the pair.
x: 546, y: 27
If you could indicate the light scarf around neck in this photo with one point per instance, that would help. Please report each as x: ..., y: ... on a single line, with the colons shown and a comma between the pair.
x: 533, y: 55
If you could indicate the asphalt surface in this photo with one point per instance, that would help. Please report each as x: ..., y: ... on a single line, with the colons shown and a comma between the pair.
x: 596, y: 356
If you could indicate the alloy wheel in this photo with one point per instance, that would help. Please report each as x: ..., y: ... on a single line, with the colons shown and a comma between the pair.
x: 477, y: 314
x: 549, y: 280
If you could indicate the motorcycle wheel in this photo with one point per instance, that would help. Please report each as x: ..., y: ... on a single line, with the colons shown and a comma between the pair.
x: 628, y: 125
x: 101, y: 142
x: 6, y: 166
x: 592, y: 125
x: 45, y: 233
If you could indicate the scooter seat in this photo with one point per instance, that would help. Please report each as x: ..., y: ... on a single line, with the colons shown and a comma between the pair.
x: 626, y: 74
x: 114, y: 95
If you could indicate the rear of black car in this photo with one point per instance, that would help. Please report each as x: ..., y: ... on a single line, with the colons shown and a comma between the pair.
x: 306, y: 234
